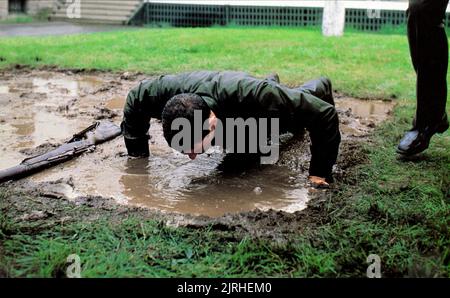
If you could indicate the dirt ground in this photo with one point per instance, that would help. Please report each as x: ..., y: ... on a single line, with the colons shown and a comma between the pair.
x: 41, y: 108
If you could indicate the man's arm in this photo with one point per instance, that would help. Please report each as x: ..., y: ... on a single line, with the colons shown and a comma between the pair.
x: 136, y: 120
x: 318, y: 117
x: 322, y: 122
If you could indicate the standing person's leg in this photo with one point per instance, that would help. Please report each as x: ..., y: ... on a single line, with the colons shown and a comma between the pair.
x: 429, y: 54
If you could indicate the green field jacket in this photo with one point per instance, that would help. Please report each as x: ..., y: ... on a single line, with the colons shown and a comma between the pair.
x: 238, y: 95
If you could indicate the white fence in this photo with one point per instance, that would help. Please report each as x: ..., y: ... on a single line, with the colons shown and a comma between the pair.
x: 334, y: 15
x: 369, y: 4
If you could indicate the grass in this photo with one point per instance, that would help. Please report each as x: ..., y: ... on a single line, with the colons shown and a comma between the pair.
x: 134, y: 249
x: 398, y: 209
x: 353, y: 62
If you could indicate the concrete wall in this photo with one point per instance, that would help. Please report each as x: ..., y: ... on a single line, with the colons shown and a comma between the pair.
x: 34, y: 6
x: 3, y: 8
x: 31, y: 6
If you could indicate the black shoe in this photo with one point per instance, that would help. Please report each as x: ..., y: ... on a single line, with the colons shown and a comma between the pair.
x: 416, y: 141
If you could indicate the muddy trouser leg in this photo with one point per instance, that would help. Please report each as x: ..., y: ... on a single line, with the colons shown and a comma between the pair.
x: 320, y: 88
x: 273, y: 77
x: 429, y: 53
x: 239, y: 162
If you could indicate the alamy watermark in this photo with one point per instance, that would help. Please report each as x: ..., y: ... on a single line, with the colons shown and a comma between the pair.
x: 374, y: 13
x: 374, y: 268
x: 74, y: 269
x: 241, y: 136
x: 73, y: 10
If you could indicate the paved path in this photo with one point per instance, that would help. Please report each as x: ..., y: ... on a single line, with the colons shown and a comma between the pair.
x: 55, y: 28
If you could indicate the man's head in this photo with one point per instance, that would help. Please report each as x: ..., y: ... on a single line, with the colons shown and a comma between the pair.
x: 183, y: 106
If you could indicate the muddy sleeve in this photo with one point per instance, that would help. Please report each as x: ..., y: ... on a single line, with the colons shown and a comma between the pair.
x: 321, y: 120
x: 296, y: 110
x: 318, y: 117
x: 140, y: 106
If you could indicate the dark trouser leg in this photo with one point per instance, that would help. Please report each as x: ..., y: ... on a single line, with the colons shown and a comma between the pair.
x: 320, y: 88
x: 274, y: 77
x: 429, y: 53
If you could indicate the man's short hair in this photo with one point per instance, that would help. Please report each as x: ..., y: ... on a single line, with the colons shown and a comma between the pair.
x: 183, y: 106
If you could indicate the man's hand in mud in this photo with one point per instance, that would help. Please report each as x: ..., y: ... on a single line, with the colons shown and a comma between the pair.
x: 318, y: 182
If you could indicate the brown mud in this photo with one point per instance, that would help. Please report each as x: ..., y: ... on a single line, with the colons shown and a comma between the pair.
x: 41, y: 108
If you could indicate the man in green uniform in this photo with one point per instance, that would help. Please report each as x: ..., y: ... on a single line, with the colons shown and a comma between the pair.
x: 230, y: 95
x: 428, y: 46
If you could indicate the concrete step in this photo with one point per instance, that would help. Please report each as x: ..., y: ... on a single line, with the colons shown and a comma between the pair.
x: 92, y: 21
x: 99, y: 11
x: 104, y: 4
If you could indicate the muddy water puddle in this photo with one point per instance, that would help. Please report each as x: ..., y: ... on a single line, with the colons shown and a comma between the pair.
x: 358, y: 117
x: 39, y: 109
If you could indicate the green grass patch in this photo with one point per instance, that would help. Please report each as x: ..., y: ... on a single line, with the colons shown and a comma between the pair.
x: 353, y: 62
x: 149, y: 249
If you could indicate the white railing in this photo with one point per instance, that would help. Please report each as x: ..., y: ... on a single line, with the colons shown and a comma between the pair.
x: 333, y: 20
x: 370, y: 4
